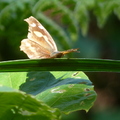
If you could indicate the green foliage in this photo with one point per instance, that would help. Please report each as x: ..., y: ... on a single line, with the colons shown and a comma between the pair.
x: 105, y: 8
x: 54, y: 92
x: 52, y: 81
x: 61, y: 18
x: 18, y: 105
x: 77, y: 9
x: 69, y: 98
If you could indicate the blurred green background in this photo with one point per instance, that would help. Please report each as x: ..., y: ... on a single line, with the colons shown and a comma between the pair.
x: 91, y: 25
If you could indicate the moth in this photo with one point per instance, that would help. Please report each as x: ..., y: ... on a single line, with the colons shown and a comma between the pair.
x: 39, y: 43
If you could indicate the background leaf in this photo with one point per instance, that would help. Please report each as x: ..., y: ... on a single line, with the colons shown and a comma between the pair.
x: 37, y: 82
x: 69, y: 98
x: 54, y: 88
x: 65, y: 20
x: 18, y: 105
x: 12, y: 79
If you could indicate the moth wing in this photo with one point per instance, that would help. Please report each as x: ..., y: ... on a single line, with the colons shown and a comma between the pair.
x: 34, y: 50
x: 40, y: 35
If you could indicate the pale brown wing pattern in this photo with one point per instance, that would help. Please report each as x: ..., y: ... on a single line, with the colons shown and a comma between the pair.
x: 40, y: 35
x: 33, y: 50
x: 39, y: 43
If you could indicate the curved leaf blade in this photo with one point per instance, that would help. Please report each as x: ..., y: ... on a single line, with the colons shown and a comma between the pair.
x: 20, y: 106
x: 94, y: 65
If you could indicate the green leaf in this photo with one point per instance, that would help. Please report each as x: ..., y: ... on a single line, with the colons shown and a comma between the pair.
x: 74, y: 12
x: 12, y: 79
x: 54, y: 88
x: 104, y: 8
x: 67, y: 17
x: 101, y: 65
x: 37, y: 82
x: 69, y: 98
x: 65, y: 75
x: 61, y: 83
x: 20, y: 106
x: 82, y: 14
